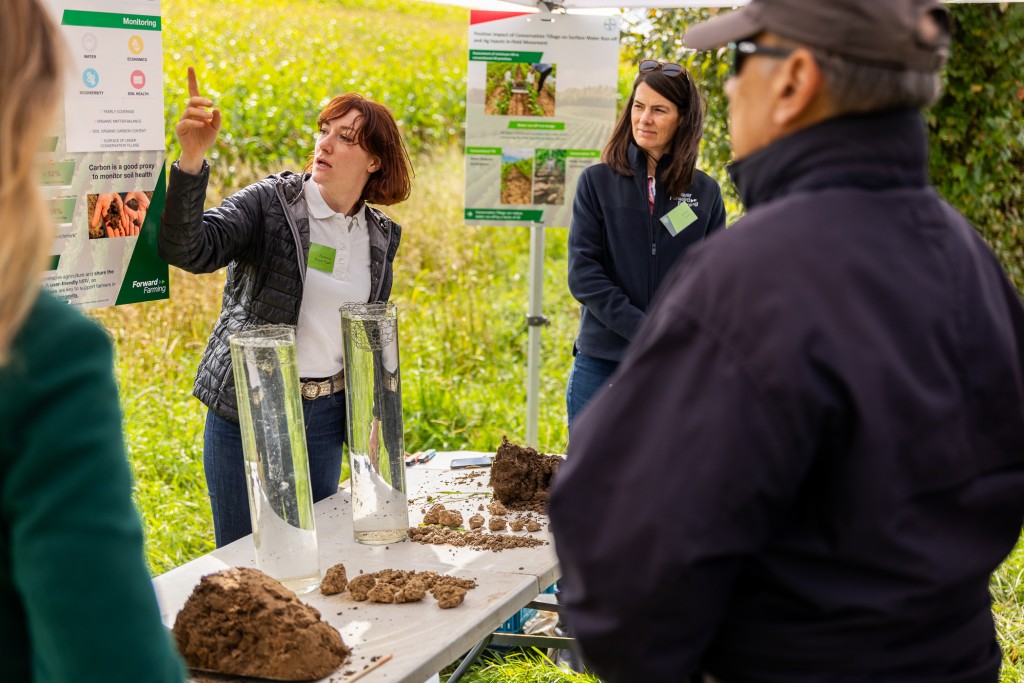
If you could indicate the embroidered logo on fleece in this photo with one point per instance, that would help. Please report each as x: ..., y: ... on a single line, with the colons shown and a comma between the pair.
x: 690, y: 200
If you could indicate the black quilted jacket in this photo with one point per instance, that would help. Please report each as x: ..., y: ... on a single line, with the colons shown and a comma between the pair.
x: 262, y: 235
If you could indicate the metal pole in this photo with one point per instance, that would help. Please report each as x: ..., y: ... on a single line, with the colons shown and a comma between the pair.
x: 534, y: 319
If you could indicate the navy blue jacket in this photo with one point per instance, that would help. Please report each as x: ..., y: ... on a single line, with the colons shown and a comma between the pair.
x: 619, y: 252
x: 812, y: 457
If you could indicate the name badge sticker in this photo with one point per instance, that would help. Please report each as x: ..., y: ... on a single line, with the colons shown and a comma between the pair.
x: 679, y: 218
x: 321, y: 257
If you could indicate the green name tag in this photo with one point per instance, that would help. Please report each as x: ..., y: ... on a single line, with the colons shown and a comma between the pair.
x: 321, y: 257
x: 678, y: 218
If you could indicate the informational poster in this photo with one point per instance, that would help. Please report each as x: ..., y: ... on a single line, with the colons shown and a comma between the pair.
x: 540, y: 106
x: 102, y: 170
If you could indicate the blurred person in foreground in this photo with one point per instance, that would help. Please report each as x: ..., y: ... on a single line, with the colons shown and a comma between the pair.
x: 76, y: 601
x: 297, y: 246
x: 812, y: 458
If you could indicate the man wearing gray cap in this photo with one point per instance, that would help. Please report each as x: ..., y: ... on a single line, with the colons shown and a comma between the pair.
x: 812, y: 457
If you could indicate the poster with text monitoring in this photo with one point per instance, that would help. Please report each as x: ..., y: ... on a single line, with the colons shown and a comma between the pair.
x: 540, y: 106
x: 102, y: 170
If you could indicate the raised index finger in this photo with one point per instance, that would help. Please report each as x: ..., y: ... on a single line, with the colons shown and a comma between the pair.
x: 193, y: 85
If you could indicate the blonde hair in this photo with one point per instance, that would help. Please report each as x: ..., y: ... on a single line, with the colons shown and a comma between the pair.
x: 31, y: 60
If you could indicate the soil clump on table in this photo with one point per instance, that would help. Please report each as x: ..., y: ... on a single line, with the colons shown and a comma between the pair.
x: 521, y: 477
x: 243, y: 623
x: 400, y: 586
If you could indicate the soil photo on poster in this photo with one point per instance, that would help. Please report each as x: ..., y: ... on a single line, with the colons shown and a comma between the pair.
x: 549, y: 176
x: 520, y: 89
x: 117, y: 214
x: 516, y: 175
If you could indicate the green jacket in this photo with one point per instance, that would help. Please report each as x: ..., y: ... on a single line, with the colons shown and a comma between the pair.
x: 76, y: 600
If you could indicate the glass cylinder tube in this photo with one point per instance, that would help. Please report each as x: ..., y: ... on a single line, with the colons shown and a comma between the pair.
x: 376, y: 444
x: 276, y: 464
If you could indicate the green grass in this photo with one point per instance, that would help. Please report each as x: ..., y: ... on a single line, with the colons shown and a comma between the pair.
x: 1008, y: 608
x: 271, y: 65
x: 523, y: 667
x: 461, y: 291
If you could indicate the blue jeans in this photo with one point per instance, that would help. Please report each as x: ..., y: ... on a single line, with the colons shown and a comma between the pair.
x: 587, y: 377
x: 225, y: 464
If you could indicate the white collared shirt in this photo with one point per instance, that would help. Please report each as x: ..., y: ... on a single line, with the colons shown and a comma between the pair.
x: 318, y: 335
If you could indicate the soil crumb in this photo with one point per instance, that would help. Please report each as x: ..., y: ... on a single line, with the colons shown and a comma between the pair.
x: 243, y: 623
x: 521, y: 477
x: 448, y: 596
x: 450, y: 518
x: 335, y: 580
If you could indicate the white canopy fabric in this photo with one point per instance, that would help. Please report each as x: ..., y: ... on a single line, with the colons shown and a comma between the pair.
x: 612, y: 4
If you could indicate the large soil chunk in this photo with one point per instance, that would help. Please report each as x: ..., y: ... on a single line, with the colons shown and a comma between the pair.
x: 244, y: 623
x: 521, y: 477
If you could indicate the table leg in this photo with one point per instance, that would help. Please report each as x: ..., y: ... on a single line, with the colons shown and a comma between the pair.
x: 469, y: 659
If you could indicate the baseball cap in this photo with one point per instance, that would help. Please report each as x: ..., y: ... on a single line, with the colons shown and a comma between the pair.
x: 900, y: 34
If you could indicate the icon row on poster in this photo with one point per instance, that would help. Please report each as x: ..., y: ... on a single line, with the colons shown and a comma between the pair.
x: 91, y: 79
x: 90, y: 42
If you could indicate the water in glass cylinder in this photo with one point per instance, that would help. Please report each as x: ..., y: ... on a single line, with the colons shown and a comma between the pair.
x: 277, y: 467
x: 380, y: 511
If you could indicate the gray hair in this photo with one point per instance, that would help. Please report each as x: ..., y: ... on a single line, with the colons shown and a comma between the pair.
x: 858, y: 87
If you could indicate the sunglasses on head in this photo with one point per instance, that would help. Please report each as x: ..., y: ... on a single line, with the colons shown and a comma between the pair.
x: 746, y: 48
x: 668, y: 68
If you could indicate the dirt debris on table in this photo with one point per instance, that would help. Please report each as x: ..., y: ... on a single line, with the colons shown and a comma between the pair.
x: 440, y: 535
x: 244, y: 623
x: 520, y: 479
x: 434, y: 533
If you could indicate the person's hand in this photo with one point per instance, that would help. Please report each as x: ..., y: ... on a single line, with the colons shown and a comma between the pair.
x: 197, y: 129
x: 135, y: 206
x: 123, y: 231
x: 109, y: 213
x: 103, y: 202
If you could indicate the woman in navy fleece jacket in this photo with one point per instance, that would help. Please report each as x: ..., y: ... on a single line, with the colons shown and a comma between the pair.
x: 634, y: 215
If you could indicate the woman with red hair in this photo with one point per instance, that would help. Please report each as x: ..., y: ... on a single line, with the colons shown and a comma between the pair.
x: 297, y: 246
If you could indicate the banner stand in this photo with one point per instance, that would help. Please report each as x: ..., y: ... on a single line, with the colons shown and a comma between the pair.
x: 534, y: 320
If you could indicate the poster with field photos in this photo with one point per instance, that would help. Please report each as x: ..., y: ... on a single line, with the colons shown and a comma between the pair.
x: 540, y: 106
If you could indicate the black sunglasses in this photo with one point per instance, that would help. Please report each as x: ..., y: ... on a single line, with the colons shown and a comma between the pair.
x: 745, y: 48
x: 668, y: 68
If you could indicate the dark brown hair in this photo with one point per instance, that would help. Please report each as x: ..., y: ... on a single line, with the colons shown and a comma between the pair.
x: 682, y: 92
x: 378, y: 134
